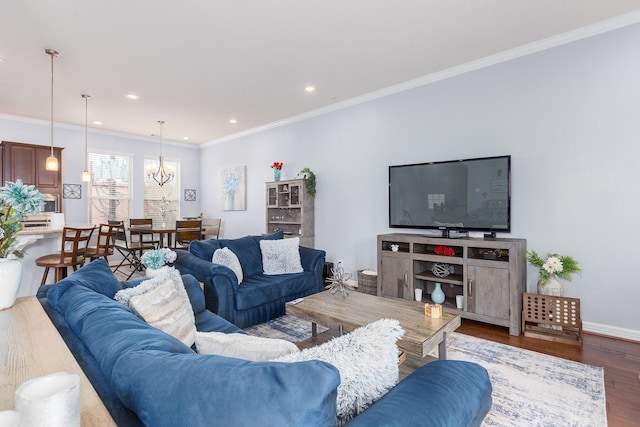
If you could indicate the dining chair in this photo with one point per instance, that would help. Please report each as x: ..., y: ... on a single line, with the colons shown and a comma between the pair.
x: 130, y: 251
x: 187, y: 230
x: 72, y: 253
x: 104, y: 245
x: 140, y: 237
x: 211, y: 228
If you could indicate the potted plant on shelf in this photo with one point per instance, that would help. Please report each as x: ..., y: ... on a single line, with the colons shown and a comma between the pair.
x: 309, y: 180
x: 17, y: 201
x: 553, y: 267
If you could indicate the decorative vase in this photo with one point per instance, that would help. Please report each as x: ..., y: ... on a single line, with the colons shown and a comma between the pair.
x: 437, y: 296
x: 155, y: 272
x: 11, y: 273
x: 276, y: 174
x: 552, y: 286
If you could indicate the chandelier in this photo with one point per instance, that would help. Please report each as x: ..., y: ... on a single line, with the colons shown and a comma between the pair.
x: 52, y: 161
x: 161, y: 175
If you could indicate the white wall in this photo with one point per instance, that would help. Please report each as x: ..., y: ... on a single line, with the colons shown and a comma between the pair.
x: 569, y: 118
x: 71, y: 138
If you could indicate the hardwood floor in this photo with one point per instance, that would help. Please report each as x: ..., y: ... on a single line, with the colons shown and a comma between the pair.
x: 620, y: 359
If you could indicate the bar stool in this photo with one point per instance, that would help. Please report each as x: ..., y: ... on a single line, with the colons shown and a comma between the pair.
x: 104, y: 244
x: 72, y: 253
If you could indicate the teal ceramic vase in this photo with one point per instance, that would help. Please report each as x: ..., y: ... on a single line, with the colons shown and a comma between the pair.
x: 276, y: 174
x: 437, y: 296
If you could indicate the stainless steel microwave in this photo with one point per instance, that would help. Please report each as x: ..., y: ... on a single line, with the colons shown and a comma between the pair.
x: 50, y: 203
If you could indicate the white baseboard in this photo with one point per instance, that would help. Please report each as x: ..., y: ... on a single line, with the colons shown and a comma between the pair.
x: 614, y: 331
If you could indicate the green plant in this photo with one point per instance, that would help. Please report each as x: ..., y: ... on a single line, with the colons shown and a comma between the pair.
x: 560, y: 265
x: 309, y: 180
x: 17, y: 201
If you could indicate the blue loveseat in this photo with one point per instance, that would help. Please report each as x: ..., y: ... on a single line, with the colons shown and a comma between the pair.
x: 260, y: 297
x: 146, y: 377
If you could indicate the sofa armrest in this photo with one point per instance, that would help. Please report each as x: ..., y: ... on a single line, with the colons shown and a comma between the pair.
x: 313, y: 260
x: 445, y: 392
x: 220, y: 282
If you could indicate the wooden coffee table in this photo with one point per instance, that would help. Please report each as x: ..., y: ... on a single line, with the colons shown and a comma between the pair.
x: 422, y: 334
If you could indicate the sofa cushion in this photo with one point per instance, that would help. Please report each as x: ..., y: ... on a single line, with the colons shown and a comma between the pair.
x: 96, y: 276
x: 248, y: 253
x: 204, y: 249
x: 226, y: 257
x: 243, y: 346
x: 204, y: 390
x: 367, y: 359
x: 163, y: 303
x: 281, y: 256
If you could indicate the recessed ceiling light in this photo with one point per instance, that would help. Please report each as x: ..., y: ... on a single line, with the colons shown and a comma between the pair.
x: 132, y: 96
x: 310, y: 89
x: 233, y: 121
x: 186, y: 138
x: 97, y: 122
x: 1, y: 59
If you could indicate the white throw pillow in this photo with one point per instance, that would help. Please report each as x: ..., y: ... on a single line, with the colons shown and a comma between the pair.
x: 163, y: 303
x: 367, y: 359
x: 226, y: 257
x: 241, y: 346
x: 281, y: 256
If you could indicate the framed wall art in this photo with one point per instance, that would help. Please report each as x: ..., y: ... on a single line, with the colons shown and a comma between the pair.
x: 72, y: 191
x: 233, y: 182
x: 189, y: 195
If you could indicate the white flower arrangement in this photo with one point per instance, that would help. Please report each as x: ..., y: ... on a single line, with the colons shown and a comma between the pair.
x: 553, y: 264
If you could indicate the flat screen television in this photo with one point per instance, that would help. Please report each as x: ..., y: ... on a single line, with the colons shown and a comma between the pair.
x: 461, y: 195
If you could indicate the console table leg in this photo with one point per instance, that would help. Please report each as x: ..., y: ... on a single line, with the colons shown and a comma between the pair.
x: 442, y: 347
x: 314, y: 329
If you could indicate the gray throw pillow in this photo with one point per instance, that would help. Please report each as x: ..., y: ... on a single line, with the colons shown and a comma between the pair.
x: 281, y: 256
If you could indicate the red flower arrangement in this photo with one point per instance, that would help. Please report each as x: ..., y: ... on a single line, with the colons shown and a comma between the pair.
x: 277, y: 165
x: 444, y: 250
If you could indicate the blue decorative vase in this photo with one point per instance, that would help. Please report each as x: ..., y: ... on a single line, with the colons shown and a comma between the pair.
x: 276, y: 174
x: 437, y: 296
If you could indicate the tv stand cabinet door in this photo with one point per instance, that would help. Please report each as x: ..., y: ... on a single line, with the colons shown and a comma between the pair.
x: 488, y: 291
x: 394, y: 279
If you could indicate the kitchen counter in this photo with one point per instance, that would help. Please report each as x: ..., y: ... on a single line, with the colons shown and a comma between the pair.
x: 36, y: 242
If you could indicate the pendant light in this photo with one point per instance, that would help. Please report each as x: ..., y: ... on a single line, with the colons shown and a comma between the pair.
x: 161, y: 176
x: 52, y: 162
x: 86, y: 176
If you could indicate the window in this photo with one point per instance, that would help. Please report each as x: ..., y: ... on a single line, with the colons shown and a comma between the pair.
x: 161, y: 203
x: 109, y: 188
x: 435, y: 201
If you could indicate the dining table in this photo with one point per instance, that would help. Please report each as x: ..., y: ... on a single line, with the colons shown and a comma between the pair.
x: 160, y: 230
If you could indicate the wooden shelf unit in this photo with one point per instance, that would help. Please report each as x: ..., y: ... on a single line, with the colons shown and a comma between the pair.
x: 490, y: 273
x: 290, y: 209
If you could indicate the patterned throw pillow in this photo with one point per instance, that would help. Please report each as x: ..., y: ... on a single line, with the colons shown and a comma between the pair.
x: 164, y: 304
x: 227, y: 258
x: 281, y: 256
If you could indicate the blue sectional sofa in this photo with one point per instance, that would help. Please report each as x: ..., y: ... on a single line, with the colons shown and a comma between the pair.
x: 146, y: 377
x: 260, y: 297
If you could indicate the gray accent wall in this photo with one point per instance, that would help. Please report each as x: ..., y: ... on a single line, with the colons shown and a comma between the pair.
x: 569, y: 117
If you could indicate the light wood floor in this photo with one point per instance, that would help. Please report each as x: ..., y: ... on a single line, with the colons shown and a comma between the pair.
x: 620, y: 359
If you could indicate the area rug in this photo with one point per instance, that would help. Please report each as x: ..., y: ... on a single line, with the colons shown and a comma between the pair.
x: 529, y: 388
x: 285, y: 327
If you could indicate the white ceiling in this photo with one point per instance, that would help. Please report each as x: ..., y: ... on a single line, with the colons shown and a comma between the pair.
x: 198, y: 63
